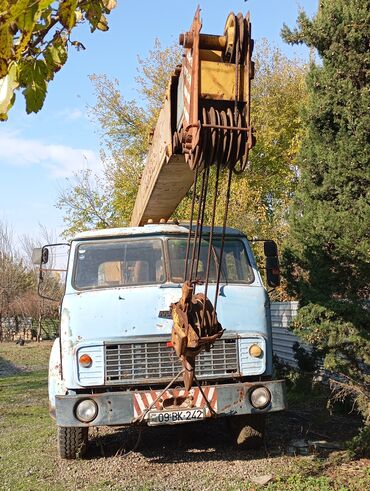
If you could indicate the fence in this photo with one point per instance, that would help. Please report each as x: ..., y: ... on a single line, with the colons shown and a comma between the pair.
x: 14, y: 328
x: 282, y: 314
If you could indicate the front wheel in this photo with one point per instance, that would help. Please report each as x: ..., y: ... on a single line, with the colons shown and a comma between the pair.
x: 248, y: 430
x: 72, y: 441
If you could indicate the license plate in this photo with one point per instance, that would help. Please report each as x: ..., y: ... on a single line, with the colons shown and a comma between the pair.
x: 175, y: 417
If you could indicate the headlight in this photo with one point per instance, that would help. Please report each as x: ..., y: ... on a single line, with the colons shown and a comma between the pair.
x: 260, y: 397
x: 86, y: 410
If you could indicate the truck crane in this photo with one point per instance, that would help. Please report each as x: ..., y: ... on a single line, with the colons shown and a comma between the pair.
x: 161, y: 323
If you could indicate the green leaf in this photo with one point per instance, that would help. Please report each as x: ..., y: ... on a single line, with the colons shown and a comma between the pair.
x: 55, y: 56
x: 6, y: 44
x: 8, y: 84
x: 67, y: 14
x: 94, y: 14
x: 33, y: 75
x: 35, y: 97
x: 18, y: 7
x: 27, y: 18
x: 44, y: 4
x: 60, y: 43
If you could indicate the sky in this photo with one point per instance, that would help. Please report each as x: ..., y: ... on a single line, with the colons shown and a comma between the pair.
x: 39, y: 152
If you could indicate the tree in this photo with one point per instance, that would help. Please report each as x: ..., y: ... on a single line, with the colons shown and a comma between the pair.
x: 15, y: 278
x: 18, y: 283
x: 34, y: 40
x: 126, y: 126
x: 326, y: 257
x: 87, y: 201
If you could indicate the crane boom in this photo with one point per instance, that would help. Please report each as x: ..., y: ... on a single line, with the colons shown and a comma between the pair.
x: 166, y: 178
x: 205, y: 118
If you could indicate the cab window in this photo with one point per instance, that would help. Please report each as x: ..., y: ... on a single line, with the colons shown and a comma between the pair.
x: 119, y: 263
x: 235, y: 263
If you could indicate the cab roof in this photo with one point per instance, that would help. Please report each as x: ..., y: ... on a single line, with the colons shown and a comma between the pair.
x: 150, y: 229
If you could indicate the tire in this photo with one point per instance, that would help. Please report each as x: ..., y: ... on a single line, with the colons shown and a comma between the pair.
x: 248, y: 430
x: 72, y: 442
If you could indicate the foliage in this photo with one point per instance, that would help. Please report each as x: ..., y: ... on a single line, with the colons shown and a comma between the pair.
x: 326, y: 258
x: 87, y: 203
x: 359, y: 446
x: 299, y: 378
x: 278, y: 96
x: 126, y: 126
x: 299, y: 482
x: 15, y: 278
x: 34, y: 40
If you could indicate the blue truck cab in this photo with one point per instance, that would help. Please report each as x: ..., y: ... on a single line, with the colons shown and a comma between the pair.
x: 113, y: 360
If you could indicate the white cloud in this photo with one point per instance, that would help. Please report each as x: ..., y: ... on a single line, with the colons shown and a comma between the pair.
x: 59, y: 160
x: 71, y: 114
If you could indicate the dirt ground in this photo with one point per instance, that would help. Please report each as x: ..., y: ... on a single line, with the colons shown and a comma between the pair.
x: 201, y: 456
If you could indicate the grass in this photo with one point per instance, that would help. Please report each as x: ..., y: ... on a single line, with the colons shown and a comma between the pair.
x: 29, y: 460
x: 27, y: 433
x: 30, y: 357
x: 314, y: 474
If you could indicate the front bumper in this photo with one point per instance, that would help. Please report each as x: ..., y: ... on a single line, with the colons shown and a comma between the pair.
x: 126, y: 407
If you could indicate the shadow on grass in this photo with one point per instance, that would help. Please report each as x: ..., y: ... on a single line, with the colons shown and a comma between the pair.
x: 21, y: 381
x: 7, y: 368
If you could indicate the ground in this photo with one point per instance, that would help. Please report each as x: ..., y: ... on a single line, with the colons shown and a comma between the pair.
x: 187, y: 457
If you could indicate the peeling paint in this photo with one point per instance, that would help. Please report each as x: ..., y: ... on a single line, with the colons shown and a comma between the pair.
x: 55, y: 383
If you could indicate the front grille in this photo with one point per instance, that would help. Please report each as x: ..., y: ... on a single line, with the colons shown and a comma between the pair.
x: 156, y: 362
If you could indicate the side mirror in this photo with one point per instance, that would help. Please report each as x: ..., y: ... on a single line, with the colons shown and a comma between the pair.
x: 270, y: 248
x: 37, y: 256
x: 40, y: 255
x: 272, y: 263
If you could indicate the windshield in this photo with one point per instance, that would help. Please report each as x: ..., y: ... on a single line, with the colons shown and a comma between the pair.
x: 127, y: 262
x: 235, y: 264
x: 112, y: 263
